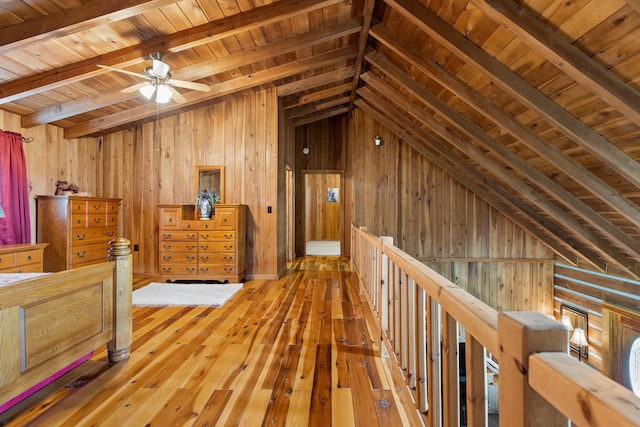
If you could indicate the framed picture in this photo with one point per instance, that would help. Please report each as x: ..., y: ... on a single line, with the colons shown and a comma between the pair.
x: 577, y: 319
x: 333, y: 194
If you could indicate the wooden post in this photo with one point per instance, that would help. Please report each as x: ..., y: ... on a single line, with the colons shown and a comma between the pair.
x: 476, y: 383
x: 119, y: 347
x: 519, y: 335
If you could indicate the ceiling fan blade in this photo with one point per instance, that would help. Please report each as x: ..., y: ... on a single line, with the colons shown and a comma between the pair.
x: 134, y: 88
x: 190, y: 85
x: 177, y: 96
x: 120, y: 70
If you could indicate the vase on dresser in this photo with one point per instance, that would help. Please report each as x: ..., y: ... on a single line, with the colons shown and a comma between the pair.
x: 205, y: 209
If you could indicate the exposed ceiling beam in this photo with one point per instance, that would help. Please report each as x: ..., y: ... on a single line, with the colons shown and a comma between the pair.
x: 68, y: 21
x: 318, y: 106
x: 220, y: 89
x: 367, y: 16
x: 316, y: 81
x: 175, y: 42
x: 198, y: 71
x: 317, y: 95
x: 486, y: 107
x: 585, y: 235
x: 476, y: 181
x: 502, y: 76
x: 321, y: 115
x: 564, y: 55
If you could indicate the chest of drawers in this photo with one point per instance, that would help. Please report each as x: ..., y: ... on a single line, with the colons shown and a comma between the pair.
x: 78, y: 229
x: 202, y: 249
x: 21, y: 258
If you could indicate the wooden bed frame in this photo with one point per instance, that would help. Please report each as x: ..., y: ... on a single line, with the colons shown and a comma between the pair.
x: 49, y: 322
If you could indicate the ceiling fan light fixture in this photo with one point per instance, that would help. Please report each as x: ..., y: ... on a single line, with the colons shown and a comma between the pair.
x: 147, y: 90
x: 164, y: 94
x: 160, y: 69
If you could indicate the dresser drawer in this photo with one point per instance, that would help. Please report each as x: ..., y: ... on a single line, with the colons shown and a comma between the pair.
x: 181, y: 269
x: 29, y: 257
x: 220, y: 270
x: 178, y: 258
x: 178, y: 246
x: 88, y: 253
x: 216, y: 247
x: 170, y: 235
x: 225, y: 219
x: 29, y: 268
x: 7, y: 260
x: 169, y: 218
x: 82, y: 236
x: 217, y: 236
x: 217, y: 258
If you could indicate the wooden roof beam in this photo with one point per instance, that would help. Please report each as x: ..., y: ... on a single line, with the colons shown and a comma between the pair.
x: 567, y: 57
x: 320, y: 115
x: 175, y: 42
x: 316, y: 81
x: 491, y: 192
x: 102, y: 124
x: 318, y: 106
x: 318, y: 95
x: 197, y: 71
x: 68, y: 21
x: 486, y: 107
x: 367, y: 16
x: 588, y: 237
x: 517, y: 87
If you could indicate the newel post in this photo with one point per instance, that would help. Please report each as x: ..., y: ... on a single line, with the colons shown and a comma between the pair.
x: 119, y: 347
x: 519, y: 335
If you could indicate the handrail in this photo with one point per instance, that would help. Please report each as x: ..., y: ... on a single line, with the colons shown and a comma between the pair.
x: 418, y: 312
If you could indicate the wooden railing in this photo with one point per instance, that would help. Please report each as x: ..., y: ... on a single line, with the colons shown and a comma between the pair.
x: 422, y: 316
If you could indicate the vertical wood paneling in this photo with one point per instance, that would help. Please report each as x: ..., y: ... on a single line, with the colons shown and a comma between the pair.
x: 441, y: 222
x: 158, y: 168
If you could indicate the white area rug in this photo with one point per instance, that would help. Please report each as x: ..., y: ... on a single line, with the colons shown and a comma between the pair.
x: 187, y: 294
x: 323, y: 247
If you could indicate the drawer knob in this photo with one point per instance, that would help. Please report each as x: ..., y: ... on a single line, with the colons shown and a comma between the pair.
x: 228, y: 247
x: 166, y: 246
x: 79, y: 237
x: 81, y: 255
x: 166, y: 236
x: 205, y: 236
x: 166, y: 258
x: 97, y: 207
x: 29, y: 258
x: 111, y: 233
x: 170, y: 220
x: 97, y: 220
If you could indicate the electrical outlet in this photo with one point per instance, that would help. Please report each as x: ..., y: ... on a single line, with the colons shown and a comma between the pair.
x: 136, y: 247
x: 268, y: 209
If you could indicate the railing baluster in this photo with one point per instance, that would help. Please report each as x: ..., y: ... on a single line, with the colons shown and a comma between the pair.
x: 450, y: 381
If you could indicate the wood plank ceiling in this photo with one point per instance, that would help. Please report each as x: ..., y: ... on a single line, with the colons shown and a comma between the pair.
x: 532, y: 104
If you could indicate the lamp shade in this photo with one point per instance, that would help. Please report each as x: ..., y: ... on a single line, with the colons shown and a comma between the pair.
x: 164, y: 94
x: 579, y: 338
x: 566, y: 321
x: 147, y: 90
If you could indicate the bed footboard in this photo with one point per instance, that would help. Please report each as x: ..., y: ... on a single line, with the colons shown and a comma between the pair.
x: 49, y: 322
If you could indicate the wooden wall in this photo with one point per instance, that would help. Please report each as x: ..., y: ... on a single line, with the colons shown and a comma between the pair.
x: 50, y: 158
x: 154, y: 164
x: 325, y: 140
x: 398, y: 193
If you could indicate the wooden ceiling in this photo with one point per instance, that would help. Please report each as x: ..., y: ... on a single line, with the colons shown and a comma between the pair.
x: 533, y: 104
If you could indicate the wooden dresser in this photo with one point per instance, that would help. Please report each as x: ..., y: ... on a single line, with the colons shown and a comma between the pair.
x: 21, y: 258
x: 77, y: 228
x: 190, y: 248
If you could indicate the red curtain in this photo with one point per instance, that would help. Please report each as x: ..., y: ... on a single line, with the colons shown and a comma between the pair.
x: 15, y: 226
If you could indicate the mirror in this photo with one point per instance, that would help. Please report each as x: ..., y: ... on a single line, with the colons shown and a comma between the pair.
x: 210, y: 178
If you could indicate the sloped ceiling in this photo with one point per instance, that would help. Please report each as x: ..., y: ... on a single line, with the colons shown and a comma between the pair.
x: 534, y: 104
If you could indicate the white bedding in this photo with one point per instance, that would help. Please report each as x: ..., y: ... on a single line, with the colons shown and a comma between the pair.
x: 10, y: 278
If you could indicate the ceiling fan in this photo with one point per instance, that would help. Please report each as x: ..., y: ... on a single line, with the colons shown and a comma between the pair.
x: 160, y: 85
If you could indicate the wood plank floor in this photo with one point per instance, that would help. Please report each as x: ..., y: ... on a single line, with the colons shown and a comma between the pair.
x: 296, y: 351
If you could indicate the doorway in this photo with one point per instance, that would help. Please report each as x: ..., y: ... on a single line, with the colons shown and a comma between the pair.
x: 323, y: 213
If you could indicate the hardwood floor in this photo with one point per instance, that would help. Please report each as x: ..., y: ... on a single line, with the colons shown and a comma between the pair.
x: 296, y: 351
